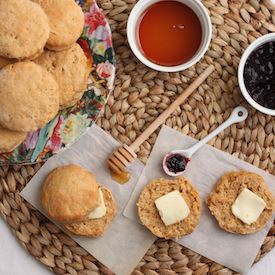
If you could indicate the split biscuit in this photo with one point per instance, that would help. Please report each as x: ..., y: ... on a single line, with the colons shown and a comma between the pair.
x: 95, y: 227
x: 225, y: 193
x: 149, y: 215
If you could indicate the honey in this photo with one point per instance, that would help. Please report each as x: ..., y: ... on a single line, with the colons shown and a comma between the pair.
x: 121, y: 178
x: 169, y: 33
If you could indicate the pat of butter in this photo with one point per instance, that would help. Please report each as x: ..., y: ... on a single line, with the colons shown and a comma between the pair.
x: 100, y: 211
x: 172, y: 208
x: 248, y: 206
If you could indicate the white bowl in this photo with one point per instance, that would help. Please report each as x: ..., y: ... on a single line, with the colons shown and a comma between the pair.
x: 132, y: 27
x: 257, y: 43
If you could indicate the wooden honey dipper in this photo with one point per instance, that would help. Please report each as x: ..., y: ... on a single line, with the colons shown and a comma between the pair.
x: 124, y: 155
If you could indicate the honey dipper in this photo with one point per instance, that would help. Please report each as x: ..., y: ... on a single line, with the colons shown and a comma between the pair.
x: 124, y: 155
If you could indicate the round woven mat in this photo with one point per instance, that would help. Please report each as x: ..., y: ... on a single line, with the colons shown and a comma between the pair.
x: 140, y: 95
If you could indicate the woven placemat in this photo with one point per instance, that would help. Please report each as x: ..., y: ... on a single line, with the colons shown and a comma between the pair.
x: 139, y: 97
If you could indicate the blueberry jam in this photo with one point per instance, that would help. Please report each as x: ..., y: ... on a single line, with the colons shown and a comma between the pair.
x: 176, y: 163
x: 259, y: 75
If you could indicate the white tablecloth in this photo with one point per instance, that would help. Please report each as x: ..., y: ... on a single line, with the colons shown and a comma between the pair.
x: 14, y: 260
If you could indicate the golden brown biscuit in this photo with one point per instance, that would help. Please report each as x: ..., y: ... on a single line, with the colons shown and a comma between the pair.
x: 66, y: 20
x: 10, y: 139
x: 95, y: 227
x: 70, y: 70
x: 149, y: 214
x: 24, y: 28
x: 225, y: 193
x: 69, y: 193
x: 29, y: 97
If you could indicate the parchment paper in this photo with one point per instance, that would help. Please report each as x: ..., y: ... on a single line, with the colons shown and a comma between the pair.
x: 125, y: 242
x: 206, y: 167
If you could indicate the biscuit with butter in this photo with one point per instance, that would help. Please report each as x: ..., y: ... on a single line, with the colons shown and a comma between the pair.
x: 70, y: 193
x: 70, y: 71
x: 10, y: 139
x: 29, y: 97
x: 24, y: 29
x: 150, y: 215
x: 95, y: 227
x: 66, y: 21
x: 235, y: 195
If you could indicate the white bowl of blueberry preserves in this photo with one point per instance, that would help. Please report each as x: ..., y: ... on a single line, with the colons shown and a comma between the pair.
x: 256, y: 74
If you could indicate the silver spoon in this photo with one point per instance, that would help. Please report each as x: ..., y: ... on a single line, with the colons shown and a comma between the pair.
x: 184, y: 156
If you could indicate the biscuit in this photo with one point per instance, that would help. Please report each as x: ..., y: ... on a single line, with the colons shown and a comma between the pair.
x: 95, y: 227
x: 70, y: 71
x: 9, y: 140
x: 29, y: 97
x: 24, y: 28
x: 225, y: 193
x: 5, y: 61
x: 66, y: 21
x: 69, y: 193
x: 149, y: 214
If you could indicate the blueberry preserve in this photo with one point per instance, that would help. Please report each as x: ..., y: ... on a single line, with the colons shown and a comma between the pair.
x: 176, y: 163
x: 259, y: 75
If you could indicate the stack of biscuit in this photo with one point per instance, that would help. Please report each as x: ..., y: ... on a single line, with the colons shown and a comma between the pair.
x: 42, y: 68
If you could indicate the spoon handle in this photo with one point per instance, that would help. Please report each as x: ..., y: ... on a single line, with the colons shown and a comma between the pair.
x: 238, y: 114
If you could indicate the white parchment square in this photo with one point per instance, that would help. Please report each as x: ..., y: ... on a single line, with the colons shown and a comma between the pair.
x: 124, y: 243
x: 206, y: 167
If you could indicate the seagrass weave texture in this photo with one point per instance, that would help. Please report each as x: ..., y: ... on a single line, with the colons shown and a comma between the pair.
x: 140, y: 95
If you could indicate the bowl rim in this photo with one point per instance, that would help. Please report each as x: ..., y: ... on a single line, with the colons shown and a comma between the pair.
x: 141, y: 6
x: 254, y: 45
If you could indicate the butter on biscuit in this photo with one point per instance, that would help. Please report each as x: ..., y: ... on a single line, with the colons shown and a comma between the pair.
x: 99, y: 211
x: 248, y: 206
x: 172, y: 208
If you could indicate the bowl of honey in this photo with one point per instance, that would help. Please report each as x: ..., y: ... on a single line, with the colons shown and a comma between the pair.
x: 169, y: 35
